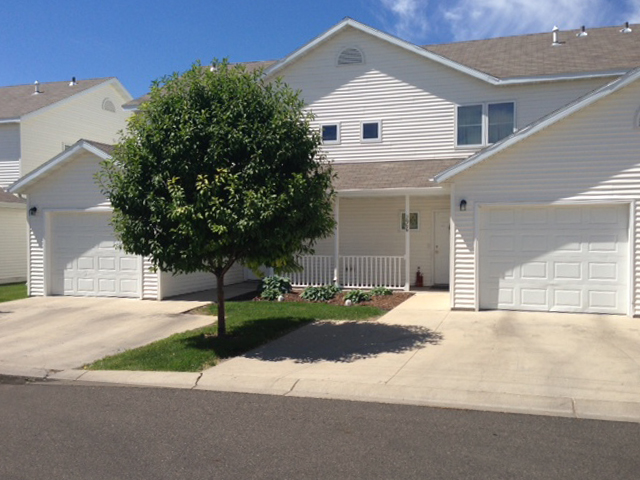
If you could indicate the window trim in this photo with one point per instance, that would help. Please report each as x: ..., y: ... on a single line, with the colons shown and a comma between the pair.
x: 370, y: 140
x: 338, y: 129
x: 485, y: 122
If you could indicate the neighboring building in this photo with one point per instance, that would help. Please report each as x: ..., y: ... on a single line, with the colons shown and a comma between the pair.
x: 39, y: 121
x: 506, y: 168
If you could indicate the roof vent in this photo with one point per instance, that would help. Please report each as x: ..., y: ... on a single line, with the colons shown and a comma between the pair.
x: 582, y: 33
x: 73, y: 82
x: 37, y: 87
x: 626, y: 28
x: 554, y: 33
x: 350, y: 56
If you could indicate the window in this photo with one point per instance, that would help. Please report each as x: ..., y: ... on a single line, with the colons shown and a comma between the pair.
x: 371, y: 131
x: 484, y: 123
x: 331, y: 133
x: 413, y: 221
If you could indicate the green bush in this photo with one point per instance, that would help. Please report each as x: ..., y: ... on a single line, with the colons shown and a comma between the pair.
x: 358, y: 296
x: 323, y: 293
x: 274, y: 286
x: 380, y: 291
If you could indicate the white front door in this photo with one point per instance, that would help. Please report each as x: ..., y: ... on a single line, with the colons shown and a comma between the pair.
x: 441, y: 232
x: 85, y: 260
x: 568, y: 258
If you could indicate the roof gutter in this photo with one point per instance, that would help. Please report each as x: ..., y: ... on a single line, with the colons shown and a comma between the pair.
x: 10, y: 120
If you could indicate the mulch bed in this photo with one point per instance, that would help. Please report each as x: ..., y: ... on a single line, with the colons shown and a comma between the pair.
x: 385, y: 302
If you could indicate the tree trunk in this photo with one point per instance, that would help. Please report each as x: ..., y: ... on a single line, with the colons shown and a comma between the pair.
x: 222, y: 322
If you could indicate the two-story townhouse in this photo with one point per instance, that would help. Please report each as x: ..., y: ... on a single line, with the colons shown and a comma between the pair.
x: 505, y: 168
x: 37, y: 122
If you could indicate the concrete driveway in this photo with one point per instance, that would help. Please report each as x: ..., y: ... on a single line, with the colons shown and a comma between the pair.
x: 422, y: 353
x: 56, y: 333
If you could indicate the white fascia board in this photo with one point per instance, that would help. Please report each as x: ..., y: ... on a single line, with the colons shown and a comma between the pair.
x: 10, y: 120
x: 394, y: 192
x: 73, y: 97
x: 132, y: 108
x: 21, y: 185
x: 13, y: 205
x: 349, y: 22
x: 560, y: 77
x: 540, y: 125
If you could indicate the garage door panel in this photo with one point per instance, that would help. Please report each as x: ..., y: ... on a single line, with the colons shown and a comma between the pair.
x: 576, y: 261
x: 86, y: 260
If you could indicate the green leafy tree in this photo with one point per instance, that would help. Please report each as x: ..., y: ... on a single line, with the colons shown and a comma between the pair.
x: 219, y: 166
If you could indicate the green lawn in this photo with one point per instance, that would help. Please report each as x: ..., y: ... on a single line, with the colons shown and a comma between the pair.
x: 249, y: 325
x: 13, y: 291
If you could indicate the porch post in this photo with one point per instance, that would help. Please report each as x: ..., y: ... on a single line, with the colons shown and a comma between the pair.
x: 336, y: 242
x: 407, y: 242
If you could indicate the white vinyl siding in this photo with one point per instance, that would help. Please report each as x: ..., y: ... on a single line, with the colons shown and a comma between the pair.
x: 173, y: 285
x: 43, y: 133
x: 9, y: 154
x: 591, y: 156
x: 13, y: 243
x: 414, y: 97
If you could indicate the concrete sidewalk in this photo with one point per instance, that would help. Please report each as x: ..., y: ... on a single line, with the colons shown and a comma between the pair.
x: 584, y: 366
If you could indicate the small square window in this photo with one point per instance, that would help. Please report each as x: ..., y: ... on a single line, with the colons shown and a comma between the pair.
x: 330, y: 133
x: 371, y: 131
x: 413, y: 221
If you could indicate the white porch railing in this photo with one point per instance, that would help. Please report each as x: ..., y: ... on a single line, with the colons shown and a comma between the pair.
x: 317, y: 270
x: 365, y: 271
x: 355, y: 271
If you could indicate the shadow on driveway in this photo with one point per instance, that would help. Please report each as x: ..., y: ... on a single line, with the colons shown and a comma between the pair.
x: 345, y: 342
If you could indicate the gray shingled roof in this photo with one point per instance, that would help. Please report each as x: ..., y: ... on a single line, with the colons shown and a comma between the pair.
x: 391, y: 174
x: 603, y: 49
x: 108, y: 149
x: 6, y: 197
x: 19, y: 100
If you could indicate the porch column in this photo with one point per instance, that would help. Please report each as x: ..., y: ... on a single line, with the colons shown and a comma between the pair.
x: 407, y: 242
x: 336, y: 242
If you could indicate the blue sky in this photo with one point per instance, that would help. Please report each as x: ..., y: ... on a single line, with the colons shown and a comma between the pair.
x: 140, y: 40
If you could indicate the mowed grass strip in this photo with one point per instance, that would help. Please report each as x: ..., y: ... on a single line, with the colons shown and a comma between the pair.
x: 249, y: 325
x: 13, y: 291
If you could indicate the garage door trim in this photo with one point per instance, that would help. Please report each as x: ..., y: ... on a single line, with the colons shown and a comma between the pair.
x: 630, y: 204
x: 49, y: 214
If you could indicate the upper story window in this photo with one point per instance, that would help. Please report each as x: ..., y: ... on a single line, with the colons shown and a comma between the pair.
x: 350, y: 56
x: 484, y: 123
x: 371, y: 131
x: 331, y: 133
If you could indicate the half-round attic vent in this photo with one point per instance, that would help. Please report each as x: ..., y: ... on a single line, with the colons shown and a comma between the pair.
x: 350, y: 56
x: 108, y: 105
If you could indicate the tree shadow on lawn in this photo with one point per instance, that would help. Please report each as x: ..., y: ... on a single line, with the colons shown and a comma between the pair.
x: 345, y: 341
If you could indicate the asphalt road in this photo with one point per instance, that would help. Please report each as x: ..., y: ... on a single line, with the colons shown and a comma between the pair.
x: 57, y: 431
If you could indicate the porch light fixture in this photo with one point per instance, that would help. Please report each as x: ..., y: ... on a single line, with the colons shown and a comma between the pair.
x: 463, y: 205
x: 33, y: 210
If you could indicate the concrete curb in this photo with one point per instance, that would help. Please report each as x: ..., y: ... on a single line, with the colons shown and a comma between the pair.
x: 558, y: 406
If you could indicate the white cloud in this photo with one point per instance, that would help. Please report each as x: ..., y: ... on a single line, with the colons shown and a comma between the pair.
x: 449, y: 20
x: 409, y: 18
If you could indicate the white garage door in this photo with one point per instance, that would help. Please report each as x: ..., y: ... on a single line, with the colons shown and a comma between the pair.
x: 85, y: 260
x: 559, y: 259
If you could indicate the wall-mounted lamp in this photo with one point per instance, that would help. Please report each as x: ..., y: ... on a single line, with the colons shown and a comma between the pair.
x: 463, y: 205
x: 33, y: 210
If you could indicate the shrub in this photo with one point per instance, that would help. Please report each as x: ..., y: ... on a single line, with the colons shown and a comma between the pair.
x: 323, y: 293
x: 274, y: 286
x: 358, y: 296
x: 380, y: 291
